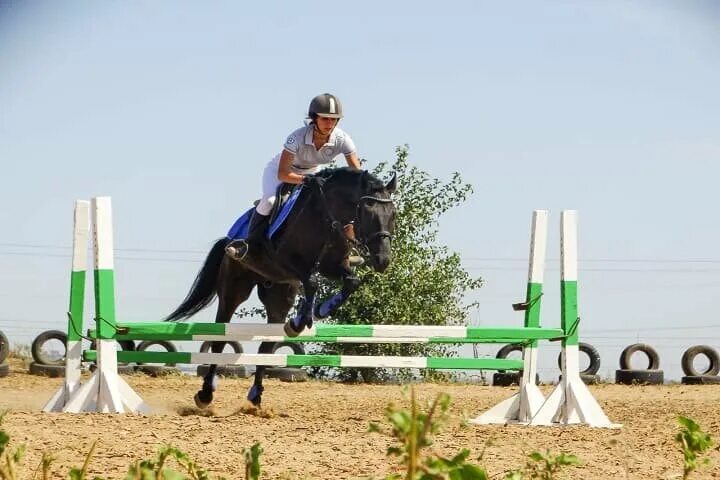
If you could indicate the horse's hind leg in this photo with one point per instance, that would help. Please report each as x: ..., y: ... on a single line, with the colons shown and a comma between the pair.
x: 278, y: 299
x: 234, y: 287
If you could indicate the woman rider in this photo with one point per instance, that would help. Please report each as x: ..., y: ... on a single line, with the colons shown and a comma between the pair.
x: 304, y: 152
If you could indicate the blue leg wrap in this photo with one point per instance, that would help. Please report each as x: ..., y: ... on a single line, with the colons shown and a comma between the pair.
x: 255, y: 394
x: 330, y: 305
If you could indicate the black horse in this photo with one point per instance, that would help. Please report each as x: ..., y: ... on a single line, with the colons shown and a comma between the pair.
x: 312, y: 241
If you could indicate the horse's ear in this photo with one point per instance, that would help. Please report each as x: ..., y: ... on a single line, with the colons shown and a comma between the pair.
x: 392, y: 184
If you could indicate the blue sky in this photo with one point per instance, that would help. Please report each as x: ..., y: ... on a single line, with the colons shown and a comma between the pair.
x: 173, y: 108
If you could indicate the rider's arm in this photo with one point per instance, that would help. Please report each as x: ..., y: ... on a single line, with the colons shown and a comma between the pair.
x: 353, y: 160
x: 285, y: 174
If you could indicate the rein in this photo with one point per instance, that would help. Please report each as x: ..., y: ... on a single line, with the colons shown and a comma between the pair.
x: 360, y: 242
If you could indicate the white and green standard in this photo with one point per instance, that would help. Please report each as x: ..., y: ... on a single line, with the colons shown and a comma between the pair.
x: 570, y: 403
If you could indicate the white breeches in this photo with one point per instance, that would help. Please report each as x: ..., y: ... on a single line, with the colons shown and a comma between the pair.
x: 270, y: 183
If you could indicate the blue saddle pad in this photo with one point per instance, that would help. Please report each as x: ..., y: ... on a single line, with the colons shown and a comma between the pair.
x: 242, y: 225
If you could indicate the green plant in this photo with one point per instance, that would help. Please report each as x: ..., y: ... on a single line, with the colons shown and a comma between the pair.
x: 9, y: 460
x: 156, y: 469
x: 543, y: 466
x: 252, y: 461
x: 693, y: 443
x: 414, y: 429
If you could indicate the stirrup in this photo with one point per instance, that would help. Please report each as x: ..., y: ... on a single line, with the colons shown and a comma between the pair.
x: 237, y: 253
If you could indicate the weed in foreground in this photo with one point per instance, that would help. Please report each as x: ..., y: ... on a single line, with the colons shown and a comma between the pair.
x: 543, y: 466
x: 414, y: 429
x: 693, y: 443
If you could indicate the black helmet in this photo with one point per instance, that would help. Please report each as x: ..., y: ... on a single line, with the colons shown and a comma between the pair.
x: 325, y: 105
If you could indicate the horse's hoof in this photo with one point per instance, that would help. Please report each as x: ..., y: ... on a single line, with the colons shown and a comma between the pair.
x: 203, y: 398
x: 290, y: 331
x: 255, y: 395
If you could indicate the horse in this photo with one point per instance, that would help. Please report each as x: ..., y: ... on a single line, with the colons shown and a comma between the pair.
x: 312, y: 241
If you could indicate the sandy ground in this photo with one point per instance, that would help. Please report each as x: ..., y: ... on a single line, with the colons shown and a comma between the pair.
x: 318, y: 430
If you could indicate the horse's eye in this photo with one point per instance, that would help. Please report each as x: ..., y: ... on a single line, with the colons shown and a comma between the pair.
x: 370, y: 203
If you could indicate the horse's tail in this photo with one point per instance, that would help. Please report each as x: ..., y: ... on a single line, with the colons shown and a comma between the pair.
x: 202, y: 293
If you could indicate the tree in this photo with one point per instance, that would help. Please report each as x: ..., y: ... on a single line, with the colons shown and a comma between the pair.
x: 424, y: 284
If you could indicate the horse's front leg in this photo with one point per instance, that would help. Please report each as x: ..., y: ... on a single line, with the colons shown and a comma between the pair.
x: 350, y: 283
x: 304, y: 317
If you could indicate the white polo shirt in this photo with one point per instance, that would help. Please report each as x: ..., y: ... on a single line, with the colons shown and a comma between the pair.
x: 307, y: 157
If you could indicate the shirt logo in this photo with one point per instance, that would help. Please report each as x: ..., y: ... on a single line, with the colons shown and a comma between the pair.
x: 290, y: 140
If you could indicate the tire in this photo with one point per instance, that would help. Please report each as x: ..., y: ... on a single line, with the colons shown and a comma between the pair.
x: 287, y: 374
x: 639, y: 377
x: 166, y: 344
x: 37, y: 344
x: 507, y: 350
x: 122, y: 368
x: 653, y: 357
x: 506, y: 379
x: 4, y: 370
x: 158, y: 370
x: 4, y: 347
x: 692, y: 352
x: 52, y: 371
x: 272, y: 347
x: 701, y: 380
x: 126, y: 345
x: 227, y: 371
x: 592, y: 354
x: 237, y: 348
x: 587, y: 379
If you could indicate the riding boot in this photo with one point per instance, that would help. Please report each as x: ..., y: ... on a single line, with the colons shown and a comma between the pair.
x: 258, y: 227
x: 238, y: 249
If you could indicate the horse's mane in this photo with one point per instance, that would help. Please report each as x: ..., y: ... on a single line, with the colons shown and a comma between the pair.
x: 347, y: 176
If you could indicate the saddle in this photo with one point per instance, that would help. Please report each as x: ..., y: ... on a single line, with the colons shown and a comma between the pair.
x: 286, y: 195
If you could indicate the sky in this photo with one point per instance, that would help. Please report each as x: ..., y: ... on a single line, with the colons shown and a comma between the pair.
x: 173, y: 109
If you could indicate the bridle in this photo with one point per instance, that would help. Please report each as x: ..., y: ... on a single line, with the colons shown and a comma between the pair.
x: 361, y: 239
x: 360, y: 242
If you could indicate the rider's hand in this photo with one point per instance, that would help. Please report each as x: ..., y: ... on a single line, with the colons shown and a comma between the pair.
x: 311, y: 181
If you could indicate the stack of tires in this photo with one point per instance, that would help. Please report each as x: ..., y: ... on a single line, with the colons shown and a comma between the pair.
x: 651, y: 375
x: 501, y: 378
x: 4, y: 351
x: 153, y: 370
x: 588, y: 375
x: 48, y: 363
x: 694, y: 376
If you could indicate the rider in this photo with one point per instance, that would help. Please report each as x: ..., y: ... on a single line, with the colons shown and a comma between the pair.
x: 304, y: 151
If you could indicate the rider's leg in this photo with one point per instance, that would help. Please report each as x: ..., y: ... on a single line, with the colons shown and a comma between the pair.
x: 258, y: 227
x: 238, y: 249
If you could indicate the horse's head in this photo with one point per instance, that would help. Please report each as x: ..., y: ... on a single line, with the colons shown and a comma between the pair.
x: 361, y: 198
x: 375, y: 221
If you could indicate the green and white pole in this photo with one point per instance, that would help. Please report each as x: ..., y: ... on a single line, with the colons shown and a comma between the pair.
x: 571, y: 401
x: 73, y: 349
x: 522, y: 406
x: 105, y: 391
